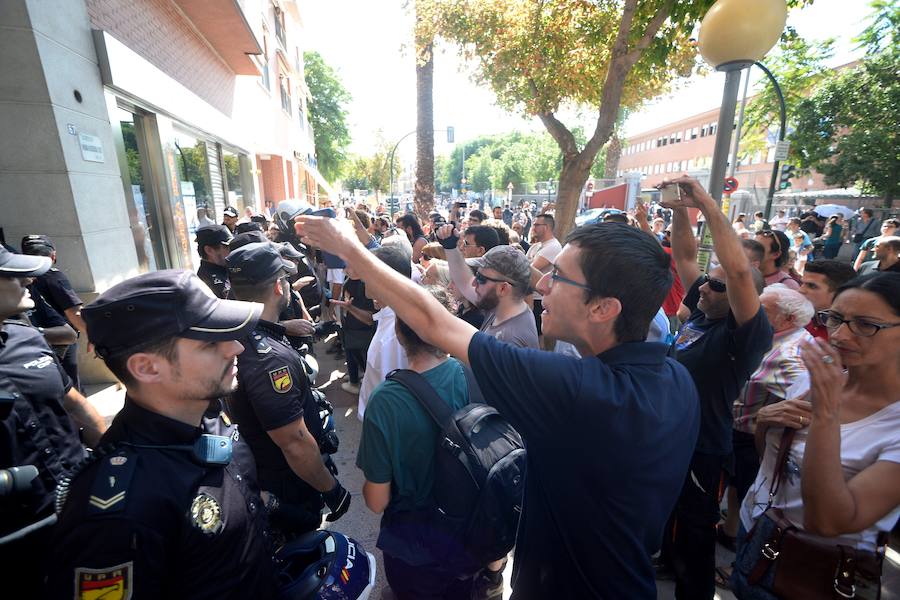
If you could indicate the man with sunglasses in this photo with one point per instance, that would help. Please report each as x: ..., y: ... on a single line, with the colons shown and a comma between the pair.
x: 775, y: 260
x: 721, y: 344
x: 273, y: 403
x: 609, y: 435
x: 500, y: 286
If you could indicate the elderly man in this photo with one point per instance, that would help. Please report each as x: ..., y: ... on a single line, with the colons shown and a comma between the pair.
x: 500, y: 287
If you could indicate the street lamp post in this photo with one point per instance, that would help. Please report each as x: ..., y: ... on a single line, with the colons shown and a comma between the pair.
x: 782, y: 130
x: 734, y: 34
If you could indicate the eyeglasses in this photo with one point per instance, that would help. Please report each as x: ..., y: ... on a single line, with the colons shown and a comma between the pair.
x: 481, y: 279
x: 716, y: 285
x: 771, y: 234
x: 860, y: 327
x: 555, y: 276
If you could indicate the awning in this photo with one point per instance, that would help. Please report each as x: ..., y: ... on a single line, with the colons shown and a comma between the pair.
x: 223, y: 24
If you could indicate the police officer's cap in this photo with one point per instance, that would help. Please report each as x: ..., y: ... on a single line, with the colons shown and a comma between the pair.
x: 160, y: 305
x: 230, y: 211
x: 247, y: 237
x: 36, y: 244
x: 210, y: 235
x: 20, y: 265
x: 247, y: 226
x: 257, y: 263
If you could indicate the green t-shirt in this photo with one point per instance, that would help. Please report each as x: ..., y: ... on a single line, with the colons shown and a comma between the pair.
x: 399, y: 437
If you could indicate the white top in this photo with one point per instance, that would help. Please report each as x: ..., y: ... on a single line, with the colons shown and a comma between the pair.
x: 385, y: 354
x: 863, y: 443
x: 548, y: 250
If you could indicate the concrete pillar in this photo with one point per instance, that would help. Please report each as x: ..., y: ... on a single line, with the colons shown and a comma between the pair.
x: 58, y: 169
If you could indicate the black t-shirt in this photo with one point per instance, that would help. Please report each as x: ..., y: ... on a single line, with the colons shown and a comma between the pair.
x: 43, y: 314
x: 473, y: 316
x: 54, y: 286
x: 38, y: 431
x: 609, y: 441
x: 170, y: 526
x: 273, y: 391
x: 216, y: 278
x: 720, y: 357
x: 356, y: 289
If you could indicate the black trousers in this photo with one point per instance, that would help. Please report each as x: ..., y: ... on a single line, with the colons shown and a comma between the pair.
x: 689, y: 543
x: 428, y: 582
x: 746, y: 462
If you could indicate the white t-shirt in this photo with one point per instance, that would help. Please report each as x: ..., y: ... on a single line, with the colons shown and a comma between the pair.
x: 548, y: 250
x: 385, y: 354
x: 863, y: 443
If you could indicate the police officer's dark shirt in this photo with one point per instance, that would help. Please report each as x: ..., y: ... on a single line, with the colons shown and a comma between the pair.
x: 54, y: 286
x: 216, y: 277
x: 159, y: 522
x: 272, y: 392
x: 43, y: 314
x: 720, y: 357
x: 38, y: 431
x: 609, y: 441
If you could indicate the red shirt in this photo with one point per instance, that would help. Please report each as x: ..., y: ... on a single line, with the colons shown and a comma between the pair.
x: 676, y: 293
x: 816, y: 330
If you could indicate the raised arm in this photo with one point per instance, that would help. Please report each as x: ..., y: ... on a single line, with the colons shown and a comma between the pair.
x: 742, y: 295
x: 459, y: 271
x: 413, y: 305
x: 684, y: 247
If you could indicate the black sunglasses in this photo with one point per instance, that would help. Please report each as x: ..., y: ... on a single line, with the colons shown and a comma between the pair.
x: 771, y: 234
x: 716, y: 285
x: 481, y: 279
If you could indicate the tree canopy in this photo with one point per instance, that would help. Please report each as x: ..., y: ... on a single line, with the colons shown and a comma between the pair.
x: 327, y: 115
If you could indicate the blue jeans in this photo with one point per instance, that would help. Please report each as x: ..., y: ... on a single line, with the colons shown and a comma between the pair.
x: 744, y: 561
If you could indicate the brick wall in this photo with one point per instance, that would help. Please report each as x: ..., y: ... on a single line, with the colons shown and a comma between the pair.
x: 159, y: 32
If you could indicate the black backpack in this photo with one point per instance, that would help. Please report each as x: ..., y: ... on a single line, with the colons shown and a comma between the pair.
x: 479, y: 478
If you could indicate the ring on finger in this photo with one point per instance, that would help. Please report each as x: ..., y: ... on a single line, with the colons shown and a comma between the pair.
x: 828, y: 359
x: 801, y: 420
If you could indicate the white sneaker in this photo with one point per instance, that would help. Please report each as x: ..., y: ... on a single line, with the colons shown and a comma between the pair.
x: 350, y: 388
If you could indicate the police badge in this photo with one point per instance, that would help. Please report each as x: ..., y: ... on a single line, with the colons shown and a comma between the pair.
x: 206, y: 514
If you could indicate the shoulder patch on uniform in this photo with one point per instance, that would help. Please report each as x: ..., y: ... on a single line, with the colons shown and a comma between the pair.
x: 281, y: 380
x: 206, y: 514
x: 261, y: 344
x: 110, y: 489
x: 113, y: 583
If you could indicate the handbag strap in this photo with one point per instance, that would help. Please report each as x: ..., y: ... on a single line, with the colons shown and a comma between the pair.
x: 787, y: 438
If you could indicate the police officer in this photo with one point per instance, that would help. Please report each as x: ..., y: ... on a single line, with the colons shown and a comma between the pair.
x: 169, y: 507
x: 230, y: 218
x: 38, y: 404
x: 274, y: 404
x: 55, y: 288
x: 212, y: 246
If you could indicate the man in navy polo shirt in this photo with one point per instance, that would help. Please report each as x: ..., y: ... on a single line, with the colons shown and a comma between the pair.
x: 609, y: 437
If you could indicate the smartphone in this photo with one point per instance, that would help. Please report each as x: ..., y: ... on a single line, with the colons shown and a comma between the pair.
x: 670, y: 193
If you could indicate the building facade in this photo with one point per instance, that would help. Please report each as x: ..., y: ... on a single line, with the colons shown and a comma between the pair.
x: 130, y: 122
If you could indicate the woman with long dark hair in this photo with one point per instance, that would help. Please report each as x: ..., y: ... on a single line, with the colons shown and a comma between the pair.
x: 835, y: 482
x: 409, y: 223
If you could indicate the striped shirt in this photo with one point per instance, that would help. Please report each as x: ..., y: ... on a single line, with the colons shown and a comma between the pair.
x: 781, y: 376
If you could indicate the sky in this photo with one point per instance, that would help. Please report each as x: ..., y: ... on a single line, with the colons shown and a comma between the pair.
x: 368, y: 42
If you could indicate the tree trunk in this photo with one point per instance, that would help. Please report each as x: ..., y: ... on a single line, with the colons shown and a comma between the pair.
x: 572, y: 178
x: 424, y: 190
x: 613, y: 153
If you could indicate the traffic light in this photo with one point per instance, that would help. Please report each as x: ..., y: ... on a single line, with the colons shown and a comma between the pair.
x: 450, y: 133
x: 787, y: 173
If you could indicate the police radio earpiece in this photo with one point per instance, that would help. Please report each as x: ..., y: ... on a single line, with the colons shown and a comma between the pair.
x: 208, y: 450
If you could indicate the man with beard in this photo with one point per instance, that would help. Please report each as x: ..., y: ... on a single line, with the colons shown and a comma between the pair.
x: 273, y: 403
x: 168, y: 506
x: 500, y: 286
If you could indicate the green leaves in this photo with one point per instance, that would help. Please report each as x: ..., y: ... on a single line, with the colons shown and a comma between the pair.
x: 327, y: 115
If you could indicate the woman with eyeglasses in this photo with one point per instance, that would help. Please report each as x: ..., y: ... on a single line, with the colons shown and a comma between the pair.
x: 840, y: 479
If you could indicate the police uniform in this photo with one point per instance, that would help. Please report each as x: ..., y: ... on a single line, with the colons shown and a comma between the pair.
x: 213, y: 275
x: 273, y: 391
x: 148, y: 520
x: 35, y: 430
x: 163, y: 510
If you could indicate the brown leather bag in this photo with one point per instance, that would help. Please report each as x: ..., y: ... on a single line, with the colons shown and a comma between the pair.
x: 806, y: 567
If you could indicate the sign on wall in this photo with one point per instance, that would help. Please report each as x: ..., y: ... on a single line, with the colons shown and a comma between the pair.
x: 91, y: 147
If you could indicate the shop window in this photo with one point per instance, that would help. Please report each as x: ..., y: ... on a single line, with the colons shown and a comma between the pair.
x: 191, y: 157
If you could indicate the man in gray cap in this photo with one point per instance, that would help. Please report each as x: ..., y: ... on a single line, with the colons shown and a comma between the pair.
x: 230, y: 218
x: 212, y: 246
x: 40, y: 412
x: 500, y: 287
x: 274, y: 403
x: 168, y: 507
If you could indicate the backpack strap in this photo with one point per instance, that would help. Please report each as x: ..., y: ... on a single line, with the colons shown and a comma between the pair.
x: 424, y: 393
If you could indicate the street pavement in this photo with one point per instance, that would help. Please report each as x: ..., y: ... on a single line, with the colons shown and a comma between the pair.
x: 361, y: 524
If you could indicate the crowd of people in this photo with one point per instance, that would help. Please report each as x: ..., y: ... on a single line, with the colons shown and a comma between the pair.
x: 650, y: 393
